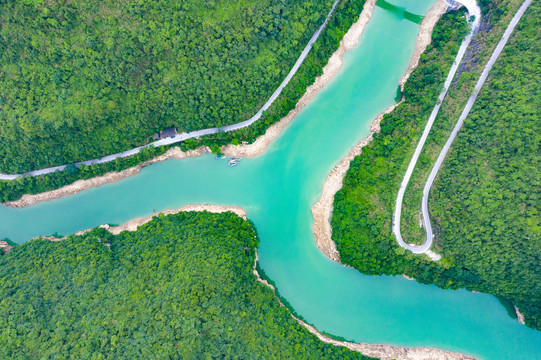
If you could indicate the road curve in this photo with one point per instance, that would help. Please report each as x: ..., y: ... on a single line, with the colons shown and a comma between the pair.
x: 472, y: 7
x: 194, y: 134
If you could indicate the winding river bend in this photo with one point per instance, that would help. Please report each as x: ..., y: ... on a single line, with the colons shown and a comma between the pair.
x: 278, y: 189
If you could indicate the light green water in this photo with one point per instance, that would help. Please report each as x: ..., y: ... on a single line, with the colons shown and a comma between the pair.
x: 278, y: 190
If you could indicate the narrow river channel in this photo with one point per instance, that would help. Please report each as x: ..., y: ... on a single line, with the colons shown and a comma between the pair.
x: 278, y: 189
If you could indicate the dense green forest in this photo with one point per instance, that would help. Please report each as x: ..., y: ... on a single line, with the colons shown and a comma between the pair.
x: 87, y: 78
x: 181, y: 287
x: 486, y: 202
x: 346, y: 12
x: 497, y: 15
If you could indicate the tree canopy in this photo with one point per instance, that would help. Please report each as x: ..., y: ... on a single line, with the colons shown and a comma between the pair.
x: 485, y: 203
x: 87, y: 78
x: 180, y: 287
x: 346, y: 13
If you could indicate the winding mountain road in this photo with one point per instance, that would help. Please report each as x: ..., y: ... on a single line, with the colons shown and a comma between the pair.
x: 473, y: 9
x: 194, y: 134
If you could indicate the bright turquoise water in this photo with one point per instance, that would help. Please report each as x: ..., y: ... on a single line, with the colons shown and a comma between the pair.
x: 278, y: 190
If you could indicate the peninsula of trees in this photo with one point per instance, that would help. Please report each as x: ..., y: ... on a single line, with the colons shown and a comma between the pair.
x: 180, y: 287
x: 485, y: 203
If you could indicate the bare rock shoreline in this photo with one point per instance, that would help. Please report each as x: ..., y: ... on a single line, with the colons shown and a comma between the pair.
x: 111, y: 177
x: 389, y: 352
x: 348, y: 42
x: 259, y: 146
x: 384, y: 352
x: 5, y: 247
x: 380, y: 351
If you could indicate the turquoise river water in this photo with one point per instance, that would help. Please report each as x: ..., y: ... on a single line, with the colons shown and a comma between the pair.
x: 278, y: 189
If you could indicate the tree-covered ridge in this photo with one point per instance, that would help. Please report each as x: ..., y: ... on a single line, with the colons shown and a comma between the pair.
x: 363, y: 208
x: 181, y: 287
x: 82, y: 79
x: 495, y: 17
x: 486, y: 203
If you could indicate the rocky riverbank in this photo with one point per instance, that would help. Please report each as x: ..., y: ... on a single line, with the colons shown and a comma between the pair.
x: 374, y: 350
x: 322, y: 209
x: 111, y: 177
x: 133, y: 224
x: 348, y: 42
x: 5, y: 247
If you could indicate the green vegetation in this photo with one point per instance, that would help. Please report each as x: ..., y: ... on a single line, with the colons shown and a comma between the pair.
x: 181, y: 287
x: 363, y: 207
x: 497, y: 16
x: 88, y: 78
x: 347, y: 12
x: 12, y: 243
x: 486, y: 202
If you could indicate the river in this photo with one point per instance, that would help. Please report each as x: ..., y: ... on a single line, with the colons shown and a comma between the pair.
x: 278, y: 189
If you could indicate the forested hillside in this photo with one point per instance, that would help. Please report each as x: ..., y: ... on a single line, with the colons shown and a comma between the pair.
x: 346, y: 13
x: 87, y: 78
x: 181, y: 287
x: 496, y: 15
x: 485, y: 204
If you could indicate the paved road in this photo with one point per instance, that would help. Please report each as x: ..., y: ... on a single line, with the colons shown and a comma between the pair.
x: 195, y: 134
x: 472, y: 9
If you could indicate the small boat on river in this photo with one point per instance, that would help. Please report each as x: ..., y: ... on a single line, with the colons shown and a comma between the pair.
x: 234, y: 161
